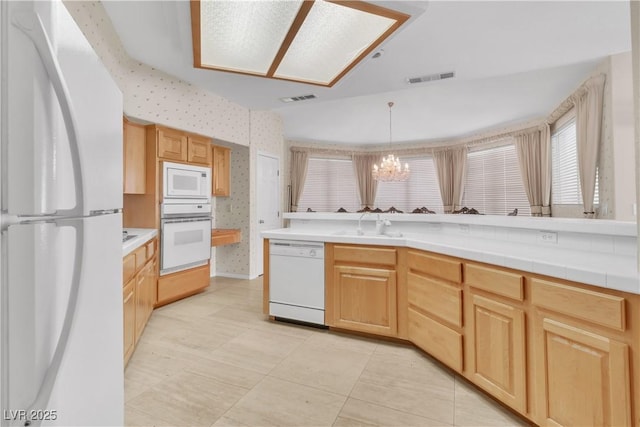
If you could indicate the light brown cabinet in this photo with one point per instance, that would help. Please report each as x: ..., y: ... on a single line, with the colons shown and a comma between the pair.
x: 134, y: 161
x: 434, y: 297
x: 129, y: 318
x: 496, y: 336
x: 139, y: 293
x: 172, y: 145
x: 557, y: 352
x: 220, y: 185
x: 179, y: 146
x: 361, y: 293
x: 579, y: 361
x: 198, y: 150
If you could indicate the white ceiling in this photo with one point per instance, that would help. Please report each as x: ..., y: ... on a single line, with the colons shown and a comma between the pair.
x: 514, y: 61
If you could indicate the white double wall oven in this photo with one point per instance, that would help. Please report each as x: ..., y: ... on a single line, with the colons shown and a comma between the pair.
x: 185, y: 217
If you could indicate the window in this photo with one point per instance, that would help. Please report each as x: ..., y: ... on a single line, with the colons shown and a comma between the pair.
x: 565, y: 180
x: 493, y: 184
x: 330, y: 185
x: 421, y: 189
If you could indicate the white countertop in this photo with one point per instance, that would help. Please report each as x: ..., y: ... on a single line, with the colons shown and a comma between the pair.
x: 607, y: 270
x: 143, y: 235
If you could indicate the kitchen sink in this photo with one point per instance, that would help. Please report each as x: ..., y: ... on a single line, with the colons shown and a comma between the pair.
x: 126, y: 237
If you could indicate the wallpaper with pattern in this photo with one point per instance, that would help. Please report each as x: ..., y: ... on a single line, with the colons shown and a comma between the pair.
x: 156, y: 97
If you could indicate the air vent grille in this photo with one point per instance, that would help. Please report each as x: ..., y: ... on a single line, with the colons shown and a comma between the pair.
x: 298, y: 98
x: 431, y: 77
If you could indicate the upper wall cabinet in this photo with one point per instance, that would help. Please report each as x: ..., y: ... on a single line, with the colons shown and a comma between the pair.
x: 198, y: 150
x: 172, y: 145
x: 180, y: 146
x: 134, y: 165
x: 221, y: 171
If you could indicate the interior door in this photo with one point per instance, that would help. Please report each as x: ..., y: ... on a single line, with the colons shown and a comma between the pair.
x: 268, y: 188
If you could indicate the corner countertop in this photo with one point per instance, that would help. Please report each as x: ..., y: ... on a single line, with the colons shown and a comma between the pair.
x: 143, y: 235
x: 613, y: 271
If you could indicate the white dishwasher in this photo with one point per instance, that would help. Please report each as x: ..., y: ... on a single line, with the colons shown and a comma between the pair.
x: 296, y: 280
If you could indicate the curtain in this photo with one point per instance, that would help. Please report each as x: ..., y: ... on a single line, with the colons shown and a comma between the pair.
x: 451, y: 167
x: 533, y: 150
x: 299, y: 163
x: 367, y: 186
x: 588, y: 104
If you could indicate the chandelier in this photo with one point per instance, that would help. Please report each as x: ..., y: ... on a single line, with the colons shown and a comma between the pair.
x: 390, y: 169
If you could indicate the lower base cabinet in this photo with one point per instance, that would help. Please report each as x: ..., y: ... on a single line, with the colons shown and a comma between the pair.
x: 583, y: 377
x: 364, y: 299
x: 129, y: 318
x: 139, y: 293
x: 497, y: 350
x: 559, y: 353
x: 175, y: 286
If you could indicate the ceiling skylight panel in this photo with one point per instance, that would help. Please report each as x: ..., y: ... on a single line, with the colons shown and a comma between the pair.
x: 243, y: 35
x: 330, y: 39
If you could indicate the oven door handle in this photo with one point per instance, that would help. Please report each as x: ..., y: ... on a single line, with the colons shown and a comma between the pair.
x: 179, y: 220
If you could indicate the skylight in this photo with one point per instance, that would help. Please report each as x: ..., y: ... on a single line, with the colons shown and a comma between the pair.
x: 308, y: 41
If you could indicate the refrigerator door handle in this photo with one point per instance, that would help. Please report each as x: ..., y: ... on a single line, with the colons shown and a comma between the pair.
x: 31, y: 25
x: 44, y: 392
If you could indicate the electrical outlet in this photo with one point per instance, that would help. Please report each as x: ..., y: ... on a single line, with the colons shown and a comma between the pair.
x: 463, y: 228
x: 229, y: 208
x: 548, y: 236
x: 635, y: 209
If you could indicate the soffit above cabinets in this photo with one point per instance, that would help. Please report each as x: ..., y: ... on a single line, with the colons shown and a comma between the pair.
x: 309, y: 41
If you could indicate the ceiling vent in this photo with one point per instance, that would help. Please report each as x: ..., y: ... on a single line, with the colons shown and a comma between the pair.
x: 431, y: 77
x: 298, y: 98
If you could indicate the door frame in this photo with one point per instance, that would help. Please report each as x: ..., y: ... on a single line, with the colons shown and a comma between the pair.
x: 258, y: 240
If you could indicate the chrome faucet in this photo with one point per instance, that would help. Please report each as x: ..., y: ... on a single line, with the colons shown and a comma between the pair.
x: 359, y: 231
x: 381, y: 225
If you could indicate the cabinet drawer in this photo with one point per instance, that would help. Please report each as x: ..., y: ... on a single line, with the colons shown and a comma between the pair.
x: 128, y: 267
x: 437, y: 266
x: 435, y: 297
x: 499, y: 282
x: 443, y: 343
x: 595, y: 307
x: 365, y: 255
x: 141, y: 257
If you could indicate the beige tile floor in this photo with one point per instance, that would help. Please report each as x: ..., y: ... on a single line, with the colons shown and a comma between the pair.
x: 214, y: 360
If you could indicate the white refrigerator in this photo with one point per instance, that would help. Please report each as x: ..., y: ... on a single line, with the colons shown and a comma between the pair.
x: 61, y: 197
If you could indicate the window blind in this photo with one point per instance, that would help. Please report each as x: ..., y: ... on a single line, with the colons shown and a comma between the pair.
x: 421, y: 189
x: 330, y: 185
x: 565, y: 179
x: 493, y: 184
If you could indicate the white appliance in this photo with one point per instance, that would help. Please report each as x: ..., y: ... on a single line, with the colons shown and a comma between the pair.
x: 296, y: 280
x: 185, y: 236
x: 61, y: 183
x: 185, y: 183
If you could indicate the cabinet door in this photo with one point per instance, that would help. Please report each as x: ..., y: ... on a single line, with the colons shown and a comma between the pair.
x: 198, y: 150
x: 140, y: 299
x: 134, y: 163
x: 364, y: 299
x: 221, y: 171
x: 583, y: 377
x: 497, y: 358
x: 129, y: 319
x: 172, y: 145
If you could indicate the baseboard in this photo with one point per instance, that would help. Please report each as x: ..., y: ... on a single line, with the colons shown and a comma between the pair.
x: 234, y: 276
